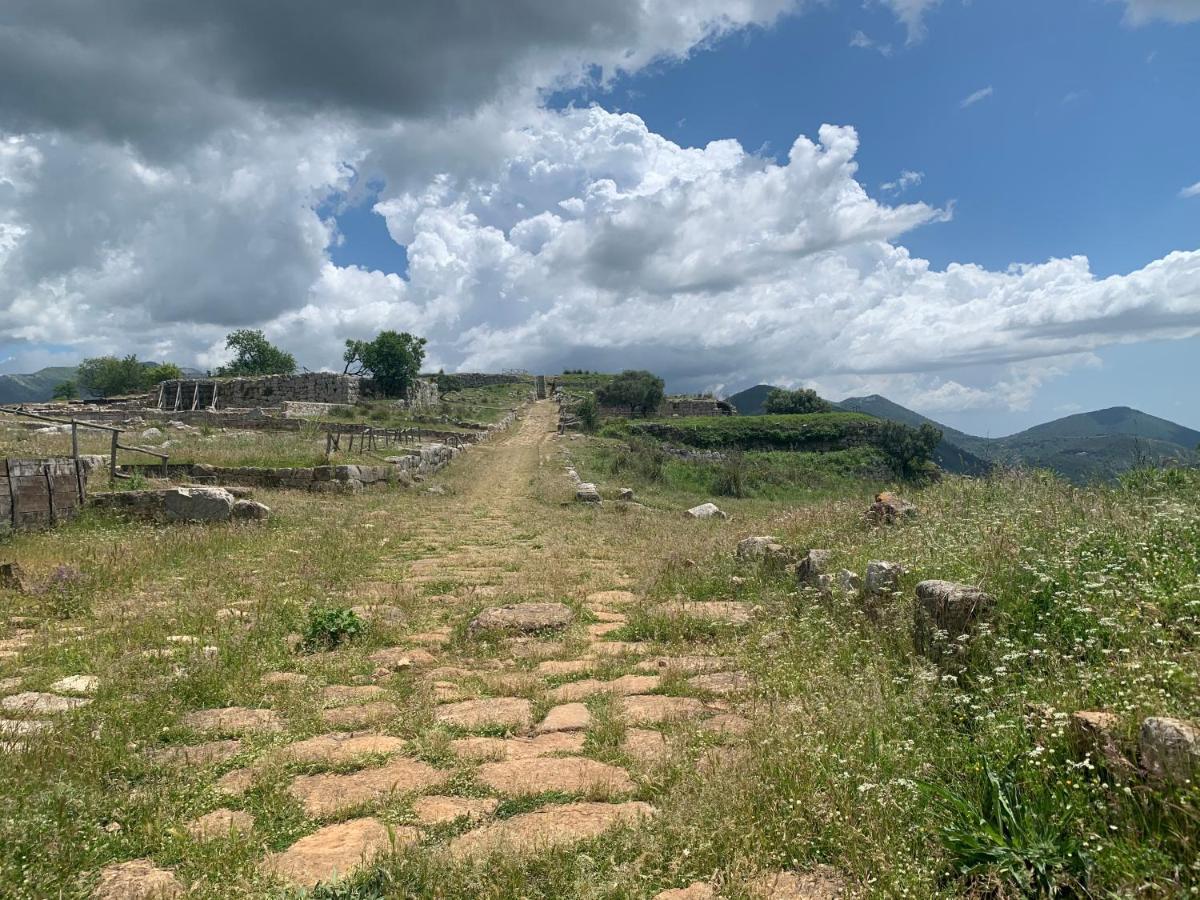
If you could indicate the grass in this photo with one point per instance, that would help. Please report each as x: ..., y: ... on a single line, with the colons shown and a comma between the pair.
x: 863, y: 756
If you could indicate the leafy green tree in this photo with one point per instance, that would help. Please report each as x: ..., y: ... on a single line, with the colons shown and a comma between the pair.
x: 255, y: 355
x: 589, y: 414
x: 162, y: 372
x: 638, y: 389
x: 910, y: 449
x: 65, y: 390
x: 393, y: 359
x: 108, y: 376
x: 780, y: 401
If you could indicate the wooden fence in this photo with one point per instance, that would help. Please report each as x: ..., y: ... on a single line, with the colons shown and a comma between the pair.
x: 37, y: 493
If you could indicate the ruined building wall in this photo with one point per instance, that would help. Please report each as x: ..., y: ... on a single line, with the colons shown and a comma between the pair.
x: 275, y: 390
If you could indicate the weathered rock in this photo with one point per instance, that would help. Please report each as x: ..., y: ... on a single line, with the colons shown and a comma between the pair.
x: 650, y: 709
x: 726, y: 612
x: 646, y: 746
x: 698, y: 890
x: 727, y: 725
x: 848, y: 582
x: 585, y: 492
x: 283, y: 679
x: 1169, y: 748
x: 882, y: 577
x: 344, y: 694
x: 625, y: 495
x: 814, y: 564
x: 950, y: 608
x: 234, y: 720
x: 507, y: 712
x: 360, y: 716
x: 138, y: 879
x: 888, y: 509
x: 76, y: 684
x: 722, y: 683
x: 395, y: 659
x: 764, y: 549
x: 221, y: 823
x: 1094, y: 733
x: 613, y: 598
x: 206, y: 754
x: 438, y: 810
x: 567, y: 717
x: 328, y: 794
x: 548, y: 827
x: 821, y: 883
x: 565, y: 666
x: 625, y: 685
x: 688, y: 665
x: 340, y: 748
x: 477, y: 748
x: 235, y: 783
x: 40, y: 703
x: 569, y: 774
x: 13, y: 578
x: 335, y: 851
x: 198, y: 504
x: 705, y: 511
x: 250, y: 511
x: 523, y: 618
x: 379, y: 613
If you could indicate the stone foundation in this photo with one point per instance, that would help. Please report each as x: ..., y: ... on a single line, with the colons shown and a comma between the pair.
x: 321, y: 388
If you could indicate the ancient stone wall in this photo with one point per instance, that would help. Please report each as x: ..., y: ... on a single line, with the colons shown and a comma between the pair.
x: 678, y: 406
x: 460, y: 380
x: 321, y: 388
x: 40, y: 492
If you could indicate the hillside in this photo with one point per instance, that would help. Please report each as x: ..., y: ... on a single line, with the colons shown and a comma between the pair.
x: 35, y: 387
x: 1115, y: 420
x: 750, y: 402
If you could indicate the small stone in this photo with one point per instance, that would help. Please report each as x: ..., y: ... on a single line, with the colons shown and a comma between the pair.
x: 329, y: 794
x: 138, y: 879
x: 479, y: 748
x: 507, y: 712
x: 39, y: 703
x: 882, y: 577
x: 250, y: 511
x: 765, y: 549
x: 652, y: 710
x: 696, y: 891
x: 340, y: 748
x: 113, y: 828
x: 889, y: 509
x: 945, y: 606
x: 623, y: 686
x: 625, y: 495
x: 523, y: 618
x: 705, y: 511
x: 235, y: 783
x: 360, y: 716
x: 283, y: 679
x: 76, y: 684
x: 13, y: 578
x: 1170, y: 748
x: 439, y: 810
x: 567, y: 717
x: 221, y: 823
x: 234, y: 720
x: 335, y: 851
x: 380, y: 614
x: 848, y: 582
x: 549, y: 827
x: 613, y: 598
x: 722, y: 683
x: 814, y: 564
x: 1095, y: 733
x: 394, y: 659
x: 565, y: 666
x: 344, y: 694
x: 206, y: 754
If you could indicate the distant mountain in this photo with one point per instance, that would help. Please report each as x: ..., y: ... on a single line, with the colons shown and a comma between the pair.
x: 36, y: 387
x: 750, y: 401
x: 1085, y: 447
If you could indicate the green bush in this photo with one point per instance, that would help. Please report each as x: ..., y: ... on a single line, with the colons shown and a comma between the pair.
x: 641, y: 459
x: 329, y: 627
x: 780, y: 401
x: 589, y: 414
x: 731, y: 476
x: 640, y: 391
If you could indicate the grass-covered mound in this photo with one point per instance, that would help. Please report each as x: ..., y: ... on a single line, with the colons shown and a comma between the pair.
x: 811, y: 432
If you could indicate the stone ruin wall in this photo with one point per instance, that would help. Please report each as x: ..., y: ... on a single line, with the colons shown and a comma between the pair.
x: 678, y: 406
x: 322, y: 389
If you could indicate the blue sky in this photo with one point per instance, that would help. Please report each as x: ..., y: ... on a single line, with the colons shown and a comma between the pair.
x: 520, y: 223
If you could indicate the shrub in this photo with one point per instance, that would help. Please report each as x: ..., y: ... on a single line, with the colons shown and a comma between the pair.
x: 65, y: 390
x: 639, y: 458
x: 329, y: 627
x: 910, y: 449
x: 589, y: 414
x: 731, y: 476
x: 637, y: 389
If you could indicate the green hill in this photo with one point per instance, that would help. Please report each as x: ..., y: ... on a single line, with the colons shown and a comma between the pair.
x: 1115, y: 420
x: 36, y: 387
x: 750, y: 401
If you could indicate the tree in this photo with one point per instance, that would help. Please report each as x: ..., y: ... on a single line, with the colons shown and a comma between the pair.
x: 589, y: 414
x: 641, y: 391
x: 107, y: 376
x: 790, y: 402
x: 393, y: 359
x: 162, y: 372
x: 65, y: 390
x: 255, y: 355
x: 910, y: 449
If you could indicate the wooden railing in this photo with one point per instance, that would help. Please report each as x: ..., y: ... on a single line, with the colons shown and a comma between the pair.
x: 76, y: 425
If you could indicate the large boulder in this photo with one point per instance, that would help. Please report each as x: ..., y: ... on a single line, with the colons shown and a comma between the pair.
x: 754, y: 548
x: 523, y: 618
x: 1170, y: 748
x: 814, y: 564
x: 944, y: 613
x: 199, y: 504
x: 585, y: 492
x: 888, y: 509
x: 706, y: 511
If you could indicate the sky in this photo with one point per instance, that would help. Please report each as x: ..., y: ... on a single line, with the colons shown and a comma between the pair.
x: 987, y: 211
